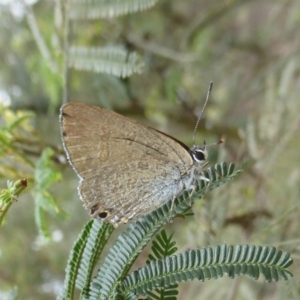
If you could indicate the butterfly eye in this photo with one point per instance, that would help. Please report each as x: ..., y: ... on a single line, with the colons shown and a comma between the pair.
x: 199, y: 154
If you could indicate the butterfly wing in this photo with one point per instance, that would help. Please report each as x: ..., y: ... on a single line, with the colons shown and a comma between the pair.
x: 126, y: 169
x: 118, y: 196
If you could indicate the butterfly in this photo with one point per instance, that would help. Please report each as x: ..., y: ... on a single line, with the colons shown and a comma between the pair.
x: 126, y: 169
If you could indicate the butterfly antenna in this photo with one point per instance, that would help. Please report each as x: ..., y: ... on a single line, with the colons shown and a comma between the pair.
x: 199, y: 118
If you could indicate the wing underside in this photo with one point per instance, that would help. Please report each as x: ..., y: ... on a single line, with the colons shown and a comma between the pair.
x: 126, y: 168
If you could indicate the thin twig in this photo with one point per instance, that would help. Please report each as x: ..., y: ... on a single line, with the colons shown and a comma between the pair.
x: 39, y: 39
x: 66, y: 50
x: 162, y: 51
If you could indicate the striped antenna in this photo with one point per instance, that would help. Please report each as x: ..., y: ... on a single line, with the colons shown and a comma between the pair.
x: 199, y: 118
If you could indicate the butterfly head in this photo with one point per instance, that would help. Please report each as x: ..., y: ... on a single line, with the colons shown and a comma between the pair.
x: 199, y: 154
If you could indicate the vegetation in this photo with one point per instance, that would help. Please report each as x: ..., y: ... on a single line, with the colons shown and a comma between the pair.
x: 85, y: 51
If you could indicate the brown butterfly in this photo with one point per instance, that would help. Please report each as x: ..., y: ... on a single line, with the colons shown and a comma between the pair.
x: 126, y: 169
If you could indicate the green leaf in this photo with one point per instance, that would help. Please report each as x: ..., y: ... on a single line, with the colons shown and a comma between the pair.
x: 9, y: 196
x: 205, y: 264
x: 99, y: 234
x: 45, y: 175
x: 130, y: 243
x: 93, y: 9
x: 40, y: 221
x: 74, y: 263
x: 162, y: 247
x: 111, y: 60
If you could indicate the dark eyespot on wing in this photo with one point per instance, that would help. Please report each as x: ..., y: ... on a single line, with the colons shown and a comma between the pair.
x: 64, y: 133
x: 102, y: 215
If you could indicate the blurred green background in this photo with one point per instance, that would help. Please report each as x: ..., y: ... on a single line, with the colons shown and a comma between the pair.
x: 249, y: 49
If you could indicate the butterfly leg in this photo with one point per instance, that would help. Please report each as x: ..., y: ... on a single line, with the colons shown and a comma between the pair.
x: 193, y: 187
x: 172, y: 204
x: 171, y: 216
x: 190, y: 193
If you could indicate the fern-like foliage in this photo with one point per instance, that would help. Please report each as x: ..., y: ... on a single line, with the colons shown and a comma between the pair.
x: 83, y: 257
x: 111, y: 60
x: 159, y: 277
x: 9, y: 195
x: 99, y: 234
x: 162, y: 247
x: 93, y: 9
x: 15, y: 130
x: 45, y: 175
x: 130, y: 243
x: 74, y: 263
x: 210, y: 263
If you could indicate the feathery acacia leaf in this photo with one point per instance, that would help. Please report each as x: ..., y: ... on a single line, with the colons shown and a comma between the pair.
x: 74, y: 263
x: 9, y: 195
x: 159, y: 278
x: 83, y: 257
x: 163, y: 246
x: 111, y: 60
x: 205, y: 264
x: 94, y: 9
x: 98, y: 236
x: 130, y: 243
x: 45, y: 175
